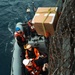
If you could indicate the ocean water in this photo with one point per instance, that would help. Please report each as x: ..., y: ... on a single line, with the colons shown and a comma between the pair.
x: 11, y: 12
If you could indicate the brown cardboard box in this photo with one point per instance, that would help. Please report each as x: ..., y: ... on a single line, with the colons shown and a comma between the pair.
x: 45, y: 20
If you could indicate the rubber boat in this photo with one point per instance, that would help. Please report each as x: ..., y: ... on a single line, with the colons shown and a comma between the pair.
x: 16, y: 65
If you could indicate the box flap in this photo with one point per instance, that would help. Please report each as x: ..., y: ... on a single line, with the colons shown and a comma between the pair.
x: 46, y: 9
x: 43, y: 12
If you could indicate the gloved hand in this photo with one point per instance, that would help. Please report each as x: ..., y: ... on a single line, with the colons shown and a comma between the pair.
x: 32, y: 27
x: 30, y: 59
x: 32, y: 72
x: 41, y: 56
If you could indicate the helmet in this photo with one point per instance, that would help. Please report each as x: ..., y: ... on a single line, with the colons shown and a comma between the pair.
x: 27, y: 46
x: 26, y: 61
x: 17, y: 29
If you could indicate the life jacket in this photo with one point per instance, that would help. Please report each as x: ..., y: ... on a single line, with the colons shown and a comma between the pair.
x: 34, y: 69
x: 30, y: 25
x: 34, y: 54
x: 20, y: 35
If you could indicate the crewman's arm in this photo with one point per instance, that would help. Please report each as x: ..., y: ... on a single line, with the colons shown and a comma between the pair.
x: 26, y: 55
x: 36, y: 53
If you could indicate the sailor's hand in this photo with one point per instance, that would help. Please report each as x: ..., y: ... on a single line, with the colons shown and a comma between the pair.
x: 32, y: 27
x: 45, y: 67
x: 30, y: 59
x: 41, y: 56
x: 32, y: 73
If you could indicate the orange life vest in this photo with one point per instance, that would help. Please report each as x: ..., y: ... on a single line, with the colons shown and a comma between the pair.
x: 20, y: 34
x: 34, y: 69
x: 30, y: 24
x: 36, y: 52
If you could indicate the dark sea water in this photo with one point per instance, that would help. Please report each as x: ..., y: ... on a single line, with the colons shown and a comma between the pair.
x: 11, y: 12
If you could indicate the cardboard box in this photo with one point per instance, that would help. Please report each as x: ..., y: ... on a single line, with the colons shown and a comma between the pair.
x: 45, y: 20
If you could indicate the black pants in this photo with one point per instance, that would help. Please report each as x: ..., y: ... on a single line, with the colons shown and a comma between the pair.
x: 41, y: 61
x: 21, y: 45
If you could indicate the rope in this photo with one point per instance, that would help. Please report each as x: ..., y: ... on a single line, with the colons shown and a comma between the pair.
x: 57, y: 3
x: 49, y: 11
x: 44, y: 21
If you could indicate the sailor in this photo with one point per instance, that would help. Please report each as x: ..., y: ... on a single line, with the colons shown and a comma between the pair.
x: 33, y: 69
x: 31, y: 52
x: 34, y: 54
x: 19, y: 35
x: 31, y: 66
x: 31, y: 29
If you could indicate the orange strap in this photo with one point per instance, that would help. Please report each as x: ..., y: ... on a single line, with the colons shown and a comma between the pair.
x: 21, y: 35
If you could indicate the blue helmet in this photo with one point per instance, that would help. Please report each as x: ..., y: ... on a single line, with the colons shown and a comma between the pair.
x: 17, y: 29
